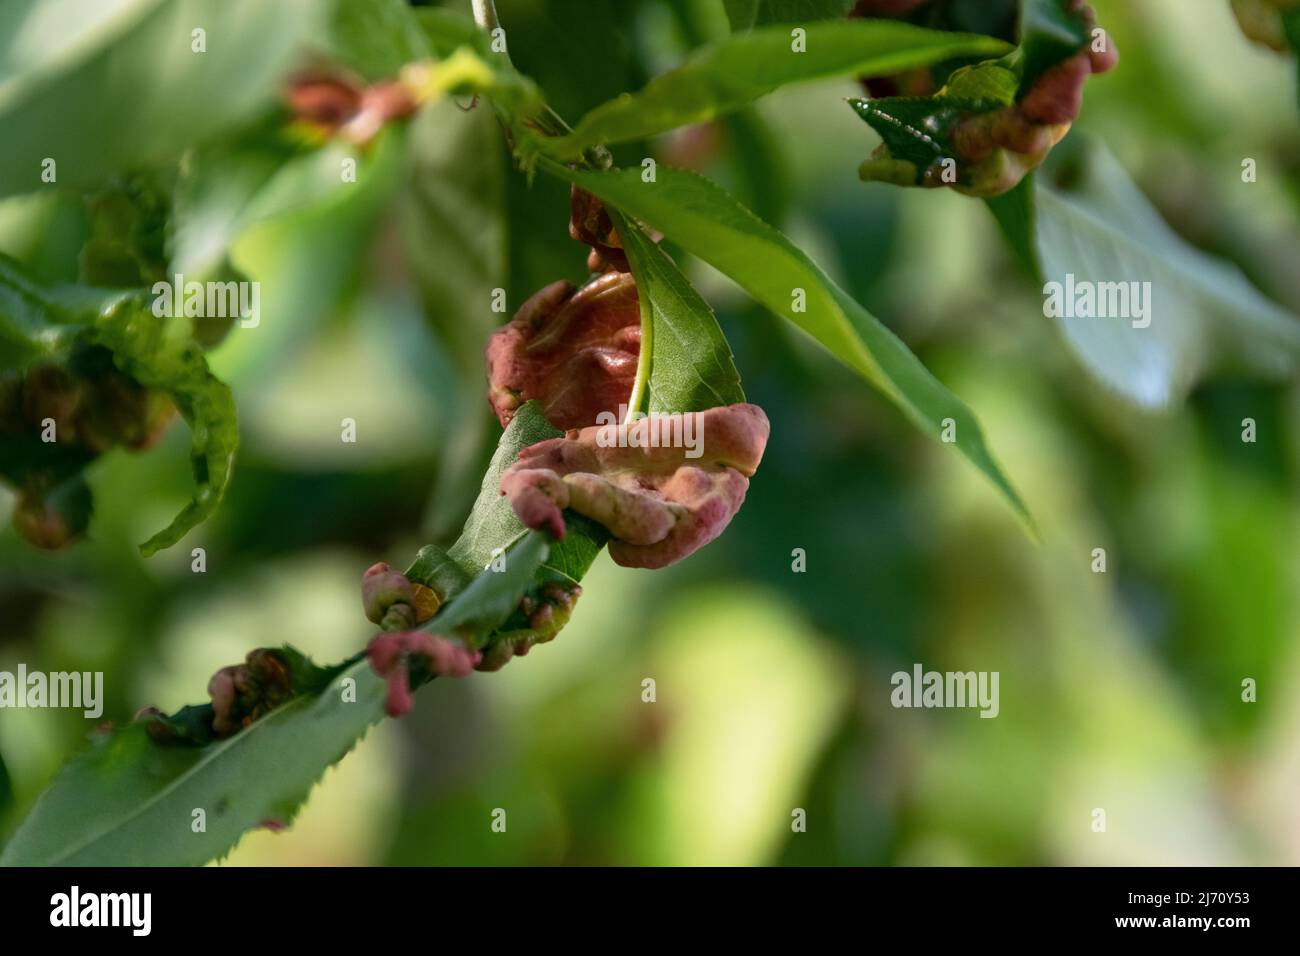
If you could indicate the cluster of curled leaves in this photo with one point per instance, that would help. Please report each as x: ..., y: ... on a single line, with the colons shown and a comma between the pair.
x: 624, y: 423
x: 989, y: 124
x: 90, y: 368
x: 654, y: 488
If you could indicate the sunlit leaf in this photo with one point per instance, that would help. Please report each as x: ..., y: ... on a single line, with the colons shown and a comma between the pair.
x: 1203, y: 312
x: 738, y: 70
x: 688, y: 361
x: 142, y: 348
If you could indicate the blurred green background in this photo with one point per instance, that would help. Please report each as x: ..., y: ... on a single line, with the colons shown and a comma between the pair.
x: 1119, y: 691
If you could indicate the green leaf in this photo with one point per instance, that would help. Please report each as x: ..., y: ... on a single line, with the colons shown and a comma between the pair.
x: 1203, y: 311
x: 492, y: 523
x: 296, y: 230
x: 741, y: 14
x: 490, y: 598
x: 917, y: 129
x: 452, y: 212
x: 138, y: 54
x: 1014, y: 211
x: 223, y: 192
x: 689, y: 363
x: 40, y: 40
x: 33, y: 329
x: 467, y: 52
x: 38, y: 323
x: 376, y: 37
x: 699, y: 216
x: 746, y: 14
x: 144, y: 795
x: 156, y: 356
x: 738, y: 70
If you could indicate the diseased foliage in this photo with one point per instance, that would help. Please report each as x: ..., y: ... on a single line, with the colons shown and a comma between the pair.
x: 586, y: 379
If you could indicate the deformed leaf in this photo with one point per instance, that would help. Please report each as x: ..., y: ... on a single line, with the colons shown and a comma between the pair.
x: 143, y: 348
x: 434, y: 568
x: 708, y: 223
x: 146, y: 793
x: 33, y: 328
x: 155, y: 354
x: 918, y: 130
x: 573, y: 349
x: 663, y: 486
x: 490, y: 598
x: 453, y: 642
x: 492, y: 525
x: 991, y: 123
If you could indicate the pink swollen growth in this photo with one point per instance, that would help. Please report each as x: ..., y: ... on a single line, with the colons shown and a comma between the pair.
x: 390, y: 656
x: 658, y: 501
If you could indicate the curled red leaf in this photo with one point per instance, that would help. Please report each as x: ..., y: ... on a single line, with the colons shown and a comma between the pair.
x: 244, y: 693
x: 395, y: 602
x: 993, y: 149
x: 590, y: 222
x: 574, y: 350
x: 545, y: 612
x: 390, y: 656
x: 663, y: 486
